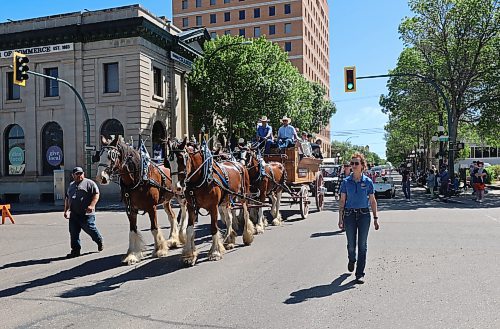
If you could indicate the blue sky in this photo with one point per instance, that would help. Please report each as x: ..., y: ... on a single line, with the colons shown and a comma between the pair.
x: 362, y: 33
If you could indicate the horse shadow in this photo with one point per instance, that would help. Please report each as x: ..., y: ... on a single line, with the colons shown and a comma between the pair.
x: 326, y: 290
x: 31, y: 262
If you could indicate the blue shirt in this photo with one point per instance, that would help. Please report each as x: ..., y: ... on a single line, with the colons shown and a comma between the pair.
x: 357, y: 192
x: 265, y: 131
x: 287, y: 132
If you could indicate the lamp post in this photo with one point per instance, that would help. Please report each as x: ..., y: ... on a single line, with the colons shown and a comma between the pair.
x: 338, y: 158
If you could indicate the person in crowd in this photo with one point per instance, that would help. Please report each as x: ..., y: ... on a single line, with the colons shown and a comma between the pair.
x: 406, y: 183
x: 316, y: 149
x: 472, y: 168
x: 79, y: 208
x: 431, y: 181
x: 444, y: 178
x: 356, y: 196
x: 304, y: 146
x: 480, y: 179
x: 287, y: 136
x: 264, y: 134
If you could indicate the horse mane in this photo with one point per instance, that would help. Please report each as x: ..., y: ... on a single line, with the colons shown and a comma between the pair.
x: 129, y: 154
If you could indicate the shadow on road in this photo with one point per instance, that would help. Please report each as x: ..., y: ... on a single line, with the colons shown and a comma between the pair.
x: 326, y: 290
x: 322, y: 234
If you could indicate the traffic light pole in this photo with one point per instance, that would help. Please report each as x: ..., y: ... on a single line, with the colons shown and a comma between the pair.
x: 85, y: 114
x: 451, y: 155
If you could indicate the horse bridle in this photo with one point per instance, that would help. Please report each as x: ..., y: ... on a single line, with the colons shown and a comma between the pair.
x: 113, y: 154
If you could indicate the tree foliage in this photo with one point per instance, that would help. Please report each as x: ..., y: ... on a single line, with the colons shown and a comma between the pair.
x: 346, y: 150
x: 235, y: 84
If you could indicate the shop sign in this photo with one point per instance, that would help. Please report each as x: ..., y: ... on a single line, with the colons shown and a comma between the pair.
x: 16, y: 156
x: 54, y: 155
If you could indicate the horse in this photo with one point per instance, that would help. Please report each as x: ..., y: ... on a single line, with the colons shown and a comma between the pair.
x: 116, y: 157
x: 266, y: 180
x: 212, y: 186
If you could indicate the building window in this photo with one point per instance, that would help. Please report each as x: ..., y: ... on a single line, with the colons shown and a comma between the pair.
x: 242, y: 14
x: 288, y: 46
x: 227, y: 32
x: 51, y: 86
x: 288, y: 28
x: 227, y: 17
x: 213, y: 35
x: 213, y: 18
x: 213, y: 2
x: 14, y: 151
x: 52, y: 148
x: 185, y: 22
x: 112, y: 128
x: 13, y: 91
x: 184, y: 4
x: 272, y: 10
x: 198, y: 3
x: 111, y: 78
x: 199, y: 21
x: 288, y: 8
x: 493, y: 152
x: 256, y: 32
x: 242, y: 32
x: 256, y: 13
x: 272, y: 29
x: 158, y: 82
x: 159, y: 134
x: 227, y: 1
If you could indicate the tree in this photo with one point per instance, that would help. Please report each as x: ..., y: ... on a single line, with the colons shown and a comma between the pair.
x: 235, y: 84
x: 346, y: 150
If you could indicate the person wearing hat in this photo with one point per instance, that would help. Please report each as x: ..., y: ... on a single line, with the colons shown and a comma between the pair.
x: 287, y: 134
x: 79, y: 209
x: 264, y: 134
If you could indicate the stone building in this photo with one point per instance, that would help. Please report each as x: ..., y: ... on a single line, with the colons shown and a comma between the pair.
x: 128, y: 65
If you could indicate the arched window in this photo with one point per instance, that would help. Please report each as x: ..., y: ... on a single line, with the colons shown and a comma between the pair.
x: 52, y: 148
x: 14, y: 151
x: 111, y: 128
x: 159, y: 135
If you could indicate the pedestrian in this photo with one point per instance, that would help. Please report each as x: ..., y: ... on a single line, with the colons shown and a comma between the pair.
x: 480, y: 179
x: 444, y: 178
x: 405, y: 183
x: 472, y: 168
x: 356, y: 194
x: 79, y: 208
x: 431, y: 180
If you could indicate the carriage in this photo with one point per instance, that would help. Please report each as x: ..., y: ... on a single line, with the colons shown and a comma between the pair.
x: 303, y: 177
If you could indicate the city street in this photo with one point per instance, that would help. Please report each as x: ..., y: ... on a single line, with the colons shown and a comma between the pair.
x: 431, y: 265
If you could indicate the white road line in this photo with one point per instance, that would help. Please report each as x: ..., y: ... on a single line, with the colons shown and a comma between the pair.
x: 491, y: 217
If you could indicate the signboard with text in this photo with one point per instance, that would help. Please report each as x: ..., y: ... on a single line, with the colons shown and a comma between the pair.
x: 38, y: 50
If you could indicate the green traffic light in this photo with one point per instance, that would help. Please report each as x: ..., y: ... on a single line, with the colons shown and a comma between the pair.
x: 350, y: 86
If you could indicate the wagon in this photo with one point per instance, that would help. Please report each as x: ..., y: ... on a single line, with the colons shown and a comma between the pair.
x: 304, y: 178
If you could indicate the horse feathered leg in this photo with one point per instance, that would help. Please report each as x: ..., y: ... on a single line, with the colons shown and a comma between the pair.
x: 217, y: 250
x: 161, y: 246
x: 249, y: 228
x: 189, y: 253
x: 136, y: 243
x: 173, y: 239
x: 230, y: 238
x: 182, y: 233
x: 277, y: 216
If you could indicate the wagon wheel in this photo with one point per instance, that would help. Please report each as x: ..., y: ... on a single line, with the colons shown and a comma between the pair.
x: 304, y: 201
x: 320, y: 194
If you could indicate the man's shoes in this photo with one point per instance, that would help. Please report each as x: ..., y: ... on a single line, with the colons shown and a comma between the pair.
x: 74, y: 253
x: 100, y: 246
x: 350, y: 266
x: 360, y: 280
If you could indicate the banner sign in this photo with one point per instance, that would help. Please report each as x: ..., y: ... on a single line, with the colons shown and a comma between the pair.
x: 38, y: 50
x: 180, y: 59
x: 54, y: 155
x: 16, y: 156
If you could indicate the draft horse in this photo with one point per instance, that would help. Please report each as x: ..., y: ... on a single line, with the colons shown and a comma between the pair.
x: 118, y: 158
x: 267, y: 179
x: 209, y: 185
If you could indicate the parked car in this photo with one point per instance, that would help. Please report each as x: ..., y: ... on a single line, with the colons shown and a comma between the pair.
x: 384, y: 185
x: 331, y: 177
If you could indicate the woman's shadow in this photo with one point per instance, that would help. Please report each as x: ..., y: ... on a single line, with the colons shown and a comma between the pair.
x: 326, y: 290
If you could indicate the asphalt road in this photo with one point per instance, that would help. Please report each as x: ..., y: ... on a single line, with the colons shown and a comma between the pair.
x: 431, y: 265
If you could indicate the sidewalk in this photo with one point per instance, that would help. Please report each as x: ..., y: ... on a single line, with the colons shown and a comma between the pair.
x: 44, y: 207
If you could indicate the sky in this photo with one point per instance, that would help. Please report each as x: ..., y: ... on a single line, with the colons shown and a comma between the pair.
x: 363, y: 33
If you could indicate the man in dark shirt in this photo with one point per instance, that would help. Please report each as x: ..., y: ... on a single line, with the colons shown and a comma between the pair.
x: 79, y: 209
x: 405, y: 183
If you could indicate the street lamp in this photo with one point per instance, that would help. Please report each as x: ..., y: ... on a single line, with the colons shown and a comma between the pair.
x: 338, y: 158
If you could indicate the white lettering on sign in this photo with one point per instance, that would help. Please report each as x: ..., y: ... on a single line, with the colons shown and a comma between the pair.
x: 38, y: 50
x: 180, y: 59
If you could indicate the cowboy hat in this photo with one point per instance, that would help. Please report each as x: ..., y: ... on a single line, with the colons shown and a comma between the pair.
x: 286, y: 118
x: 263, y: 119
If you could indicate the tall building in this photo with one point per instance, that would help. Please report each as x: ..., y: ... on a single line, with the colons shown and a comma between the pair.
x: 300, y: 27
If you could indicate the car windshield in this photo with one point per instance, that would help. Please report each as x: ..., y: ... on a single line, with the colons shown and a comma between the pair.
x: 330, y: 172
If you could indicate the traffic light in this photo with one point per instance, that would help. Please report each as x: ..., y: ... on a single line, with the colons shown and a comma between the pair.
x: 20, y: 69
x: 350, y: 79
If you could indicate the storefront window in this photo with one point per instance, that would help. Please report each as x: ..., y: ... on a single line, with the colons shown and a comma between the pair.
x: 14, y: 148
x: 52, y: 148
x: 158, y: 138
x: 112, y: 128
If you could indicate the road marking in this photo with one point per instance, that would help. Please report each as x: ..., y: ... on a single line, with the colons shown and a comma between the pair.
x: 491, y: 217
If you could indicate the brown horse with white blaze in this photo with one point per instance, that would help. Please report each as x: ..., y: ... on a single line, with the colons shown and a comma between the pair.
x: 209, y: 185
x: 118, y: 158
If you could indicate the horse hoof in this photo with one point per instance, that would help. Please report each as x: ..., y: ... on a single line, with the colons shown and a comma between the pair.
x: 259, y: 229
x: 130, y: 259
x: 189, y: 261
x: 229, y: 246
x: 172, y: 244
x: 215, y: 256
x: 276, y: 222
x: 160, y: 253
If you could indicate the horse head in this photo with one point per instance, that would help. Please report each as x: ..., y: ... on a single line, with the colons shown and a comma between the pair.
x: 109, y: 159
x: 177, y: 160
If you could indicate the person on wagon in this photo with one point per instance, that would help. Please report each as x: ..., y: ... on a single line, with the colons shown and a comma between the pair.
x: 264, y: 134
x: 286, y: 134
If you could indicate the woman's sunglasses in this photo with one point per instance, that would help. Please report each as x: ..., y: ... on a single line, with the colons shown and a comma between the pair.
x: 354, y: 163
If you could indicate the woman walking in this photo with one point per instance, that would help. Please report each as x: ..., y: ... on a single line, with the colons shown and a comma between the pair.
x: 431, y: 181
x: 356, y: 192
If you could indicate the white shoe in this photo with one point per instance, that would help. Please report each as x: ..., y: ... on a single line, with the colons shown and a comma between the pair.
x: 480, y: 201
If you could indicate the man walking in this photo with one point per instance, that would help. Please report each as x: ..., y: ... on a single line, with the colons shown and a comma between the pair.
x: 405, y: 183
x: 79, y: 208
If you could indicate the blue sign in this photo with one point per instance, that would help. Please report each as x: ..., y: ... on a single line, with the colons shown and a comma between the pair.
x: 16, y: 156
x: 54, y: 155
